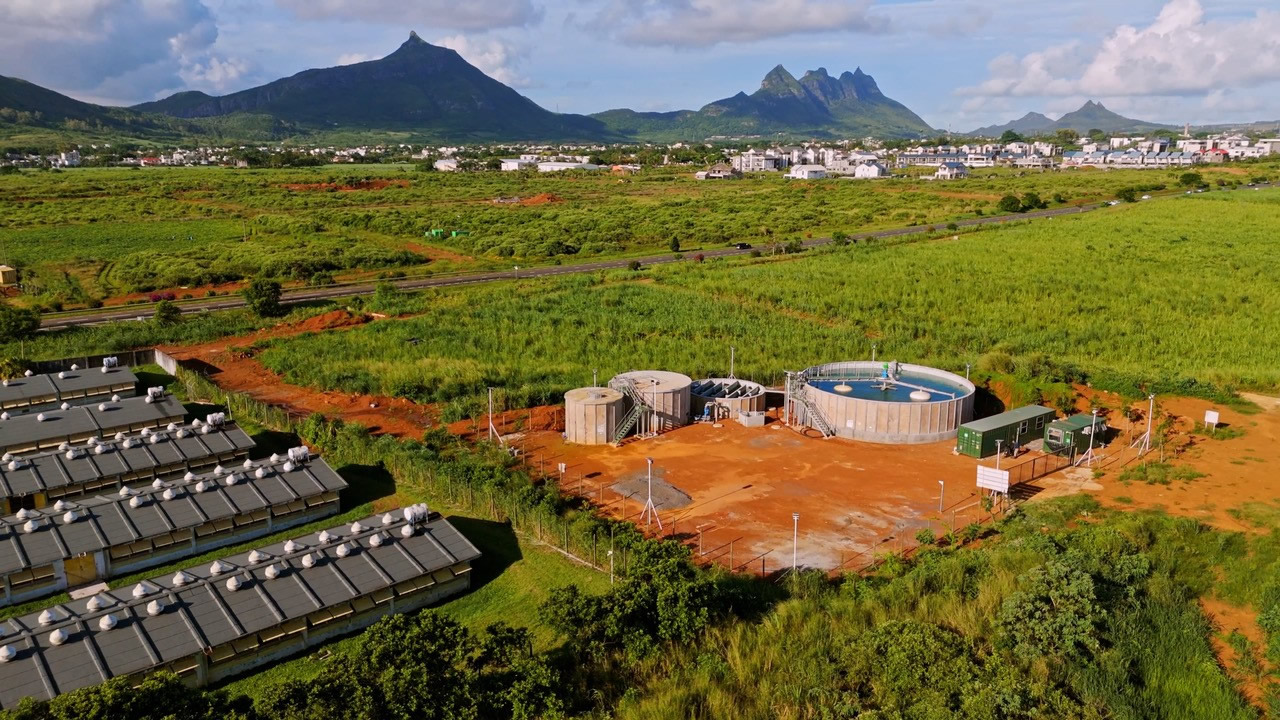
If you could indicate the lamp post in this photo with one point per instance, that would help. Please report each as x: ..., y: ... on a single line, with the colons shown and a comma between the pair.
x: 942, y: 489
x: 795, y: 539
x: 610, y: 553
x: 873, y: 352
x: 998, y: 453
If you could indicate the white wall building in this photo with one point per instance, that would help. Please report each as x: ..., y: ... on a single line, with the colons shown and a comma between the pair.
x: 807, y: 172
x: 871, y: 170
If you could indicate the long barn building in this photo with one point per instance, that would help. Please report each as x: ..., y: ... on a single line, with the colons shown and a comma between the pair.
x: 35, y: 481
x: 77, y: 542
x: 76, y: 386
x: 24, y: 434
x: 210, y: 622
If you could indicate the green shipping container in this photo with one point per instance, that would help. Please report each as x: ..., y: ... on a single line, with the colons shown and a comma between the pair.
x: 978, y: 438
x: 1074, y: 432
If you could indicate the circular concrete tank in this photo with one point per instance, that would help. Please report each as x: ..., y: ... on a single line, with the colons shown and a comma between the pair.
x: 592, y: 414
x: 893, y: 403
x: 728, y: 396
x: 666, y: 392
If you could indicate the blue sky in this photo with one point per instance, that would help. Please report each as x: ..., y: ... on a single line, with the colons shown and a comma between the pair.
x: 958, y: 63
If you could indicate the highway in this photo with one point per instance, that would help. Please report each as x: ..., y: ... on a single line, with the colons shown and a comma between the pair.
x: 53, y: 321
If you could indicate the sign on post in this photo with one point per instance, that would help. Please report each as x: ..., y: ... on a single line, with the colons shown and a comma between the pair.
x: 1211, y: 419
x: 993, y: 479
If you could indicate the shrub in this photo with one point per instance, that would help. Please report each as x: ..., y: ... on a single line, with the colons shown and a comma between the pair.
x: 166, y: 313
x: 1009, y: 204
x: 926, y: 536
x: 263, y: 297
x: 633, y: 265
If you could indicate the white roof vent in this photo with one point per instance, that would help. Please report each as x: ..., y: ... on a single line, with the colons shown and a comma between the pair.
x: 356, y: 528
x: 169, y: 494
x: 105, y: 370
x: 218, y: 567
x: 74, y: 367
x: 136, y: 502
x: 69, y: 517
x: 325, y: 537
x: 406, y: 530
x: 4, y: 416
x: 59, y: 636
x: 27, y: 374
x: 181, y: 578
x: 308, y: 561
x: 31, y: 526
x: 107, y: 622
x: 120, y: 436
x: 218, y: 470
x: 155, y: 393
x: 62, y: 374
x: 288, y: 466
x: 181, y: 433
x: 290, y: 546
x: 49, y: 617
x: 256, y: 557
x: 115, y: 398
x: 157, y: 483
x: 195, y: 422
x: 260, y: 473
x: 24, y: 514
x: 155, y: 607
x: 102, y: 407
x: 171, y: 427
x: 41, y: 417
x: 216, y: 419
x: 275, y: 457
x: 247, y: 464
x: 143, y: 589
x: 98, y: 602
x: 189, y: 476
x: 66, y: 406
x: 232, y: 479
x: 201, y: 486
x: 7, y: 457
x: 376, y: 540
x: 100, y: 449
x: 272, y: 572
x: 233, y: 583
x: 60, y: 506
x: 17, y: 464
x: 388, y: 519
x: 146, y: 432
x: 343, y: 550
x: 126, y: 491
x: 299, y: 454
x: 7, y: 653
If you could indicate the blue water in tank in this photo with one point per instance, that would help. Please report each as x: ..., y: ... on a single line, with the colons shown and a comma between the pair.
x: 870, y: 390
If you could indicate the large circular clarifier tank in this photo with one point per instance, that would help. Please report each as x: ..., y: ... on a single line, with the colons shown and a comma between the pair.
x: 667, y: 393
x: 730, y: 396
x: 918, y: 404
x: 592, y: 414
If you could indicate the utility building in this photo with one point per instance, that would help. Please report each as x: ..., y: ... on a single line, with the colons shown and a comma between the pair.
x: 35, y: 481
x: 1075, y: 433
x: 210, y: 622
x: 1015, y: 427
x: 83, y: 541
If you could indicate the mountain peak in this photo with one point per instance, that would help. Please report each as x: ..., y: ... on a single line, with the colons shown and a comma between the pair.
x: 414, y: 37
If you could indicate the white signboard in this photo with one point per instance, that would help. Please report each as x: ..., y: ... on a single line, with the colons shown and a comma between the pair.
x: 993, y: 479
x: 561, y: 468
x: 1211, y: 418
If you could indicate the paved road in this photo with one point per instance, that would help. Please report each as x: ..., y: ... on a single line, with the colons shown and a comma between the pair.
x: 65, y: 320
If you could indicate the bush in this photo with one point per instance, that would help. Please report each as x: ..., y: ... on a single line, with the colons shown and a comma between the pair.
x: 675, y: 245
x: 634, y: 265
x: 1127, y: 194
x: 996, y: 361
x: 1054, y: 615
x: 263, y: 297
x: 1009, y: 204
x: 167, y: 313
x: 926, y: 536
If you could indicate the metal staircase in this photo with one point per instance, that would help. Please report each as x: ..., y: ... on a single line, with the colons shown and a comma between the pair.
x: 639, y: 406
x: 812, y: 415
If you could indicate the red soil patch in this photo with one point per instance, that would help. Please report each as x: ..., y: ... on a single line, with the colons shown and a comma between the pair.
x: 1225, y: 619
x: 364, y: 185
x: 855, y: 499
x: 196, y: 291
x: 542, y: 199
x: 435, y: 253
x: 331, y: 320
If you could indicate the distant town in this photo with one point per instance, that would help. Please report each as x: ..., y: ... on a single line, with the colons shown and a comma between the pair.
x: 724, y: 159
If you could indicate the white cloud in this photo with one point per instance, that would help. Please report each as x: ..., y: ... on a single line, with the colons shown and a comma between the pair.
x: 497, y: 59
x: 453, y: 14
x: 117, y: 49
x: 704, y: 23
x: 1179, y: 53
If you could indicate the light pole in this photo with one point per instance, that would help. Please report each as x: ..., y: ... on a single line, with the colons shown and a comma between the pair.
x: 942, y: 490
x: 795, y: 539
x: 732, y: 353
x: 966, y: 370
x: 610, y: 567
x: 594, y: 381
x: 517, y: 272
x: 873, y: 352
x: 998, y: 453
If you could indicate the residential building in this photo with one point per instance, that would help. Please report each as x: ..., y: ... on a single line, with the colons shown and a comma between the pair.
x: 807, y: 172
x: 951, y: 170
x: 870, y: 170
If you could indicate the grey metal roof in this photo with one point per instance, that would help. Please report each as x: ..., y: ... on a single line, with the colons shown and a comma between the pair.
x: 33, y: 538
x: 103, y: 419
x: 203, y: 611
x: 995, y: 422
x: 71, y: 383
x: 155, y: 453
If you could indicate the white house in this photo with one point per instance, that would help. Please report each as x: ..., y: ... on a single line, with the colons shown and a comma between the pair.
x: 870, y: 170
x: 951, y: 171
x: 515, y: 164
x: 807, y: 172
x: 754, y: 161
x: 446, y: 165
x: 557, y: 166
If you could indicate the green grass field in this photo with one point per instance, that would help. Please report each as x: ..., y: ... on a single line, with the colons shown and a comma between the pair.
x: 88, y: 234
x: 1177, y: 290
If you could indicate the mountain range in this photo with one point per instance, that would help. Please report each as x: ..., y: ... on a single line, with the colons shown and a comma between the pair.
x: 1090, y: 116
x: 425, y: 92
x: 816, y: 105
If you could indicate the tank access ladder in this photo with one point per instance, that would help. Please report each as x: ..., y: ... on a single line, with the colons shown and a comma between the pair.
x: 639, y: 405
x: 811, y: 412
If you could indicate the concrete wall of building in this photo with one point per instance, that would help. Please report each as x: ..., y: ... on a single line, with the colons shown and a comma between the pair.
x: 592, y: 415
